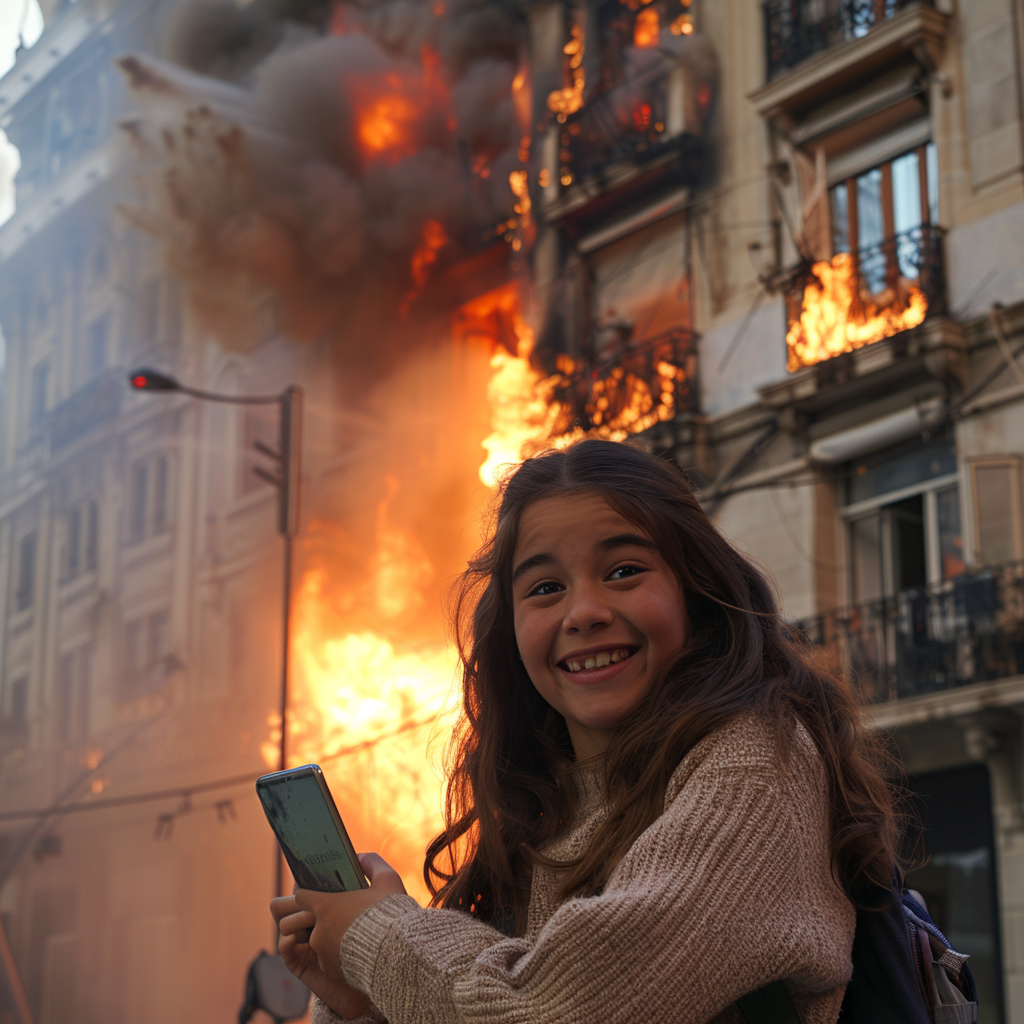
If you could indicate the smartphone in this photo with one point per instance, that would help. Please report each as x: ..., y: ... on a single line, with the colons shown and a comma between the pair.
x: 301, y: 811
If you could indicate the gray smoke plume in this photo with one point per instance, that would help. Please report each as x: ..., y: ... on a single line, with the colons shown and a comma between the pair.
x: 331, y: 158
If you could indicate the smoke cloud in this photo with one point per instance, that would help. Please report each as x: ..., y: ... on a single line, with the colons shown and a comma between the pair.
x: 327, y: 159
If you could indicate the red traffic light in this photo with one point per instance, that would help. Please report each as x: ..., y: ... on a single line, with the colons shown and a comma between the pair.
x: 152, y: 380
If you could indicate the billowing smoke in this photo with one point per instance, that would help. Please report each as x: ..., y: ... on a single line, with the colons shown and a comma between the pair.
x: 327, y: 159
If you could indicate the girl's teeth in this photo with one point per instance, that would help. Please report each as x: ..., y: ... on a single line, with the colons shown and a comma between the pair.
x: 600, y: 660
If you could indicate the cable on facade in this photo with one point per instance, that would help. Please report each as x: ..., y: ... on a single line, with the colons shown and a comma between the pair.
x: 185, y: 793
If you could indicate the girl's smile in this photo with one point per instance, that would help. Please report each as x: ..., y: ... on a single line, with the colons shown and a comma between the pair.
x: 598, y: 613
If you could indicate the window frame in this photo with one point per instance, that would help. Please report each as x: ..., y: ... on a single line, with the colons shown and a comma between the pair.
x: 1014, y: 464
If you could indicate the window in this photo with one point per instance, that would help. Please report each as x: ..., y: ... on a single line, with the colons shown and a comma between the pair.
x: 24, y: 596
x: 96, y: 344
x: 72, y: 699
x: 39, y: 393
x: 148, y: 658
x: 998, y: 530
x: 903, y: 521
x: 81, y: 547
x: 884, y: 202
x: 17, y: 707
x: 149, y: 499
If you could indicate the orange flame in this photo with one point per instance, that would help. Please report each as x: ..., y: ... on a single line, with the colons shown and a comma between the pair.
x: 646, y: 29
x: 527, y: 416
x: 365, y: 708
x: 569, y: 99
x: 384, y: 126
x: 835, y: 317
x: 425, y: 256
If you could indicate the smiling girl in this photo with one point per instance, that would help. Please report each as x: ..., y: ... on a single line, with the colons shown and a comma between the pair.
x: 656, y: 803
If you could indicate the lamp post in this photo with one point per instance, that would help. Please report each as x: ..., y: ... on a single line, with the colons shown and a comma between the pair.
x: 285, y: 480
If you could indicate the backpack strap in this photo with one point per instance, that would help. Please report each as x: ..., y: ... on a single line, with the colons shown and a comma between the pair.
x: 770, y: 1004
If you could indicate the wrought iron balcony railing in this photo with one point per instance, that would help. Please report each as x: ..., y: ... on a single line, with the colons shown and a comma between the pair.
x: 797, y: 29
x: 634, y: 386
x: 968, y: 629
x: 656, y: 112
x: 856, y: 299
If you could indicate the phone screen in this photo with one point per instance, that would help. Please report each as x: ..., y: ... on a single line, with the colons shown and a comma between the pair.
x: 317, y: 851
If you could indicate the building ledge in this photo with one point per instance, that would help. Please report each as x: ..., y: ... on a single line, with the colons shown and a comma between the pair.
x: 57, y: 197
x: 936, y: 349
x: 918, y: 32
x: 56, y: 43
x: 951, y: 703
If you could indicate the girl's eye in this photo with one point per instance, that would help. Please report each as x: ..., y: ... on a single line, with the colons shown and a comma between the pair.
x: 544, y: 589
x: 624, y: 572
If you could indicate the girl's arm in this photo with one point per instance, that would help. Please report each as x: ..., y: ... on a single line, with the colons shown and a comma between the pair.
x: 728, y: 890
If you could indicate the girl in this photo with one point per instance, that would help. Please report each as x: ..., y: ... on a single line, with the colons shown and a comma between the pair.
x: 657, y: 804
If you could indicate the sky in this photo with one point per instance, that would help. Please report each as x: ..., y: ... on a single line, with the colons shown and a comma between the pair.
x: 17, y: 18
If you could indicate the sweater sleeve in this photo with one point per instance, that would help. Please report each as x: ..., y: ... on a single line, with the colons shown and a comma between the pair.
x: 728, y: 890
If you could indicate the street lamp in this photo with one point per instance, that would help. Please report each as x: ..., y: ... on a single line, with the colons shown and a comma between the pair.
x: 286, y: 482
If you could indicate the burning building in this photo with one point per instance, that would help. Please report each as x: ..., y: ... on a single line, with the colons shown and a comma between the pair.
x: 779, y: 245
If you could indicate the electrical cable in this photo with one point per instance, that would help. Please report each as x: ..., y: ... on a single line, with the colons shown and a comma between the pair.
x: 183, y: 792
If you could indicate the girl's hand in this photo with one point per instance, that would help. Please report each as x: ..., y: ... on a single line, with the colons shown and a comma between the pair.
x: 314, y: 958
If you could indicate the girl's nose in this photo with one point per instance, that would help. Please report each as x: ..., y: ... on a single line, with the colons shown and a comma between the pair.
x: 586, y: 610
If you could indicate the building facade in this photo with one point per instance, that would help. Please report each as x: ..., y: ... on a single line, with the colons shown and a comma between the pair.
x: 779, y: 242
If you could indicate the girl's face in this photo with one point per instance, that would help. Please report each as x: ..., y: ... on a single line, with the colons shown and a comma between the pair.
x: 598, y: 613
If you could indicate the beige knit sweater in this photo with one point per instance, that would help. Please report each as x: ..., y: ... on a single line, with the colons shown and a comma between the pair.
x: 728, y: 890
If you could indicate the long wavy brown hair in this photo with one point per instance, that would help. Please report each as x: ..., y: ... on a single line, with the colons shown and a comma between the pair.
x: 507, y: 789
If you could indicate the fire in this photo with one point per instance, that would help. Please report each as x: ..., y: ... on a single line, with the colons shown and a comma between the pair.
x: 646, y: 29
x: 365, y: 705
x: 531, y: 411
x: 425, y: 256
x: 384, y: 126
x: 836, y: 317
x: 568, y: 100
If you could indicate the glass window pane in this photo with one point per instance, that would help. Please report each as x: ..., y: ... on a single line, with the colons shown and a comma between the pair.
x: 994, y: 503
x: 879, y: 474
x: 869, y: 209
x: 866, y: 546
x: 839, y: 202
x: 932, y: 160
x: 951, y: 542
x: 906, y: 192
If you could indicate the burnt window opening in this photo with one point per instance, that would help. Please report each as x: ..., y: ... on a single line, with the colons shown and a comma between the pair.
x: 634, y: 91
x: 887, y: 271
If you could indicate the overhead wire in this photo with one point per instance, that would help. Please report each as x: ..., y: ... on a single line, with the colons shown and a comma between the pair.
x: 184, y: 792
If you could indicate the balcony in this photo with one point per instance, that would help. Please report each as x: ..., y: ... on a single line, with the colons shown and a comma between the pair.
x: 795, y: 30
x: 630, y: 387
x: 88, y: 408
x: 857, y: 299
x: 968, y: 629
x: 657, y: 112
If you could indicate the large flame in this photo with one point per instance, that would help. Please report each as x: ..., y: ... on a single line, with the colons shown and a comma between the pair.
x: 836, y: 317
x: 365, y: 707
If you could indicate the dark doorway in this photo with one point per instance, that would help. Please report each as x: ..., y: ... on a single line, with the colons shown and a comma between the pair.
x: 959, y: 881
